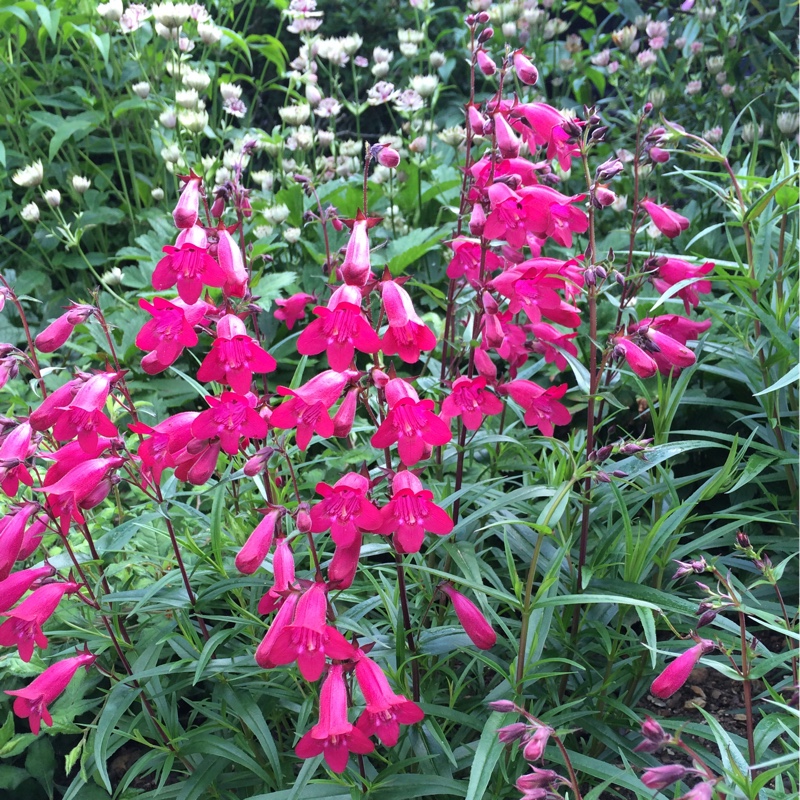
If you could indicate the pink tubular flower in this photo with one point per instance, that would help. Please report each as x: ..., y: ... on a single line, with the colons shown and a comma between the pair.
x: 470, y: 400
x: 411, y: 512
x: 12, y: 536
x: 187, y: 210
x: 58, y: 331
x: 674, y: 270
x: 385, y: 711
x: 292, y: 309
x: 189, y: 265
x: 309, y: 639
x: 545, y: 126
x: 534, y: 746
x: 345, y: 510
x: 641, y: 362
x: 407, y: 334
x: 356, y: 268
x: 49, y: 410
x: 678, y: 671
x: 283, y: 572
x: 234, y: 357
x: 255, y: 549
x: 663, y: 776
x: 233, y: 419
x: 507, y: 141
x: 345, y: 414
x: 664, y: 339
x: 542, y: 407
x: 15, y: 449
x: 307, y: 407
x: 344, y: 564
x: 231, y: 262
x: 32, y: 701
x: 410, y: 423
x: 340, y: 329
x: 333, y: 736
x: 475, y: 625
x: 23, y: 627
x: 550, y: 342
x: 280, y: 622
x: 700, y: 791
x: 552, y: 214
x: 526, y: 71
x: 83, y: 416
x: 16, y: 584
x: 669, y: 222
x: 169, y: 331
x: 167, y: 439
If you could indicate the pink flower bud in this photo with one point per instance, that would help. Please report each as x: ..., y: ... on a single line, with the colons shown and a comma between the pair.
x: 534, y: 748
x: 303, y: 518
x: 485, y: 64
x: 604, y: 196
x: 475, y: 625
x: 344, y: 417
x: 477, y: 220
x: 661, y: 777
x: 476, y: 120
x: 507, y: 140
x: 677, y: 673
x: 58, y: 331
x: 187, y: 210
x: 525, y: 70
x: 388, y: 157
x: 658, y: 155
x: 255, y: 549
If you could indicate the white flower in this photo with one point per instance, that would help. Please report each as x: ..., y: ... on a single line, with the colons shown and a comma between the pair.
x: 410, y: 35
x: 80, y: 184
x: 437, y: 59
x: 170, y: 34
x: 208, y: 32
x: 788, y: 122
x: 408, y: 49
x: 325, y: 139
x: 715, y: 64
x: 380, y: 70
x: 351, y: 43
x: 380, y: 55
x: 194, y: 121
x: 276, y: 215
x: 693, y: 87
x: 53, y: 198
x: 409, y: 101
x: 351, y: 148
x: 111, y: 10
x: 713, y: 135
x: 112, y: 277
x: 381, y: 92
x: 187, y: 98
x: 234, y: 107
x: 30, y: 213
x: 424, y: 85
x: 141, y: 89
x: 171, y: 154
x: 620, y: 203
x: 292, y: 235
x: 328, y: 108
x: 32, y: 175
x: 157, y: 194
x: 172, y: 15
x: 602, y: 58
x: 296, y: 114
x: 230, y: 91
x: 454, y: 136
x: 133, y: 18
x: 265, y: 178
x: 185, y: 44
x: 167, y: 118
x: 198, y: 12
x: 195, y: 79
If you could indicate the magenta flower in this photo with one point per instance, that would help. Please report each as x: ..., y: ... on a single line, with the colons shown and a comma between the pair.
x: 283, y: 572
x: 411, y: 423
x: 674, y: 270
x: 309, y: 639
x: 32, y: 701
x: 344, y: 564
x: 535, y: 744
x: 545, y: 126
x: 411, y: 512
x: 526, y: 71
x: 507, y: 140
x: 345, y: 510
x: 189, y: 265
x: 552, y: 214
x: 231, y: 262
x: 639, y: 360
x: 168, y: 438
x: 663, y: 776
x: 169, y: 331
x: 58, y: 331
x: 187, y: 210
x: 307, y: 407
x: 83, y: 417
x: 16, y: 584
x: 470, y: 400
x: 255, y: 549
x: 345, y: 414
x: 292, y: 309
x: 407, y: 334
x: 341, y: 328
x: 50, y: 409
x: 475, y: 625
x: 17, y: 446
x: 550, y: 342
x: 333, y: 736
x: 669, y: 222
x: 281, y: 621
x: 12, y: 536
x: 234, y: 357
x: 356, y: 268
x: 233, y: 419
x: 542, y: 407
x: 385, y: 711
x: 678, y: 671
x: 23, y: 627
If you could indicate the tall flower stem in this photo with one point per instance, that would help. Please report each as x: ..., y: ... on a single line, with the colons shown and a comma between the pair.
x: 410, y: 643
x: 32, y: 361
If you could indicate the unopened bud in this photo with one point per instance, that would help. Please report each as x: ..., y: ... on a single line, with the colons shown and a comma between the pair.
x: 743, y: 540
x: 603, y: 477
x: 303, y: 518
x: 388, y: 157
x: 485, y: 63
x: 504, y: 707
x: 706, y: 618
x: 648, y: 107
x: 511, y: 733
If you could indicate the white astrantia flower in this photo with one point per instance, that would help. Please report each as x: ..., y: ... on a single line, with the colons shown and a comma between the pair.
x: 208, y: 32
x: 196, y: 79
x: 53, y: 198
x: 187, y: 98
x: 170, y: 34
x: 167, y: 118
x: 230, y: 91
x: 80, y: 184
x: 31, y: 175
x: 234, y: 107
x: 171, y: 15
x: 424, y: 85
x: 30, y: 213
x: 295, y: 115
x: 141, y: 89
x: 112, y: 277
x: 194, y: 121
x: 788, y: 122
x: 157, y: 194
x: 292, y: 235
x: 112, y: 10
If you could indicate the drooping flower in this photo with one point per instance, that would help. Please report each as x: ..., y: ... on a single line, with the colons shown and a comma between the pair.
x: 669, y: 222
x: 187, y: 211
x: 17, y: 446
x: 678, y: 671
x: 385, y: 711
x: 470, y: 400
x: 83, y: 417
x: 231, y: 417
x: 309, y: 639
x: 410, y: 512
x: 345, y: 510
x: 32, y: 700
x: 58, y: 331
x: 16, y: 584
x: 334, y: 736
x: 49, y: 410
x: 542, y: 407
x: 255, y: 549
x: 356, y: 268
x: 639, y: 360
x: 407, y: 334
x: 475, y: 624
x: 411, y: 423
x: 292, y: 309
x: 12, y: 536
x: 341, y: 328
x: 234, y: 357
x: 231, y: 262
x: 283, y: 573
x: 169, y: 331
x: 674, y: 270
x: 663, y: 776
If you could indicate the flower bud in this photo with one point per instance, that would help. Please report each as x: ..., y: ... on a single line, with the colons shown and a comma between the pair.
x: 666, y: 775
x: 53, y: 198
x: 513, y: 732
x: 526, y: 71
x: 485, y: 64
x: 388, y: 157
x: 504, y: 706
x: 534, y: 748
x: 303, y: 518
x: 477, y: 220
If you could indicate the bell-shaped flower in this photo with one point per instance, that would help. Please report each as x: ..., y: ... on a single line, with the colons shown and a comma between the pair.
x: 168, y: 438
x: 407, y: 334
x: 83, y: 417
x: 16, y: 584
x: 231, y: 261
x: 542, y: 407
x: 672, y: 271
x: 550, y: 342
x: 467, y: 256
x: 234, y: 357
x: 233, y: 419
x: 169, y: 331
x: 507, y: 140
x: 58, y: 331
x: 663, y: 776
x: 334, y: 736
x: 283, y: 573
x: 410, y: 423
x: 526, y: 71
x: 12, y: 536
x: 475, y: 624
x: 552, y: 214
x: 639, y: 360
x: 292, y: 309
x: 356, y: 269
x: 385, y: 711
x: 49, y: 409
x: 669, y: 222
x: 32, y: 700
x: 17, y: 446
x: 345, y: 510
x: 308, y: 405
x: 187, y: 210
x: 284, y: 617
x: 23, y: 626
x: 339, y: 330
x: 679, y: 670
x: 309, y: 639
x: 255, y: 549
x: 190, y: 266
x: 345, y: 415
x: 410, y: 512
x: 546, y: 126
x: 508, y: 216
x: 470, y: 400
x: 344, y: 564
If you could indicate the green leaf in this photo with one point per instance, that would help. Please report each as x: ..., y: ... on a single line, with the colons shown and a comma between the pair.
x: 758, y: 207
x: 40, y: 761
x: 80, y: 124
x: 405, y: 250
x: 49, y: 20
x: 2, y: 154
x: 117, y: 703
x: 489, y: 750
x: 7, y: 731
x: 237, y: 40
x: 792, y: 376
x: 730, y: 752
